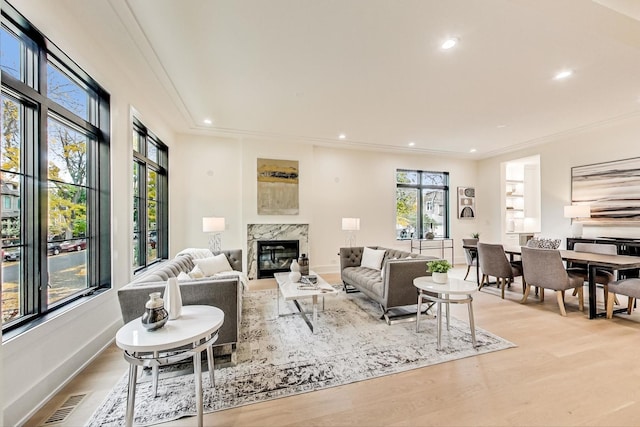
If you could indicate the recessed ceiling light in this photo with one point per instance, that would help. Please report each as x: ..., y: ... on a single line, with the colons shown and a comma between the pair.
x: 501, y: 126
x: 207, y: 121
x: 473, y: 150
x: 411, y: 144
x: 342, y: 136
x: 448, y: 44
x: 563, y: 74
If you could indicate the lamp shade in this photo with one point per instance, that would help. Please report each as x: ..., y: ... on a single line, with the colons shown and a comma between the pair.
x: 212, y: 224
x: 577, y: 211
x: 351, y: 224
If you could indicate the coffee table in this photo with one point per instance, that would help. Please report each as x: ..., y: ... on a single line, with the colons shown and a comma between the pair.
x: 290, y: 292
x: 455, y: 291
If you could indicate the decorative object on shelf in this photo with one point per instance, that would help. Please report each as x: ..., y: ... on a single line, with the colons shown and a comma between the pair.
x: 351, y: 225
x: 295, y: 266
x: 295, y: 276
x: 173, y: 298
x: 303, y: 263
x: 610, y: 188
x: 214, y: 226
x: 511, y: 225
x: 475, y: 235
x: 429, y: 234
x: 466, y: 202
x: 155, y: 315
x: 575, y: 212
x: 439, y: 270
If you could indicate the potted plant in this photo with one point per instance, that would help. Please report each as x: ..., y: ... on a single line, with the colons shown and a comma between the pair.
x: 475, y: 235
x: 439, y: 269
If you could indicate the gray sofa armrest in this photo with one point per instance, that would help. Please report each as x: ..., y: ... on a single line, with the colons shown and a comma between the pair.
x: 222, y: 293
x: 398, y: 280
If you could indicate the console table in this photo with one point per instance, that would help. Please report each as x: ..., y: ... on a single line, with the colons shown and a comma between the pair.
x: 441, y: 244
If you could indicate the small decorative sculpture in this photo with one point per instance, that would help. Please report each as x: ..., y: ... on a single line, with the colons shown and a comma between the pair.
x: 155, y: 315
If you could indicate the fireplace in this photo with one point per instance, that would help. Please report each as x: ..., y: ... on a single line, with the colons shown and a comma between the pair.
x: 275, y: 256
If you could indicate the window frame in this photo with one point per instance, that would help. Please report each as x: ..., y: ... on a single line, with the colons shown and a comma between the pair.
x: 419, y: 186
x: 33, y: 204
x: 141, y: 200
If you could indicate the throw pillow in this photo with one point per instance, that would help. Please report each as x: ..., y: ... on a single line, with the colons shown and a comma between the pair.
x: 196, y: 273
x: 213, y: 265
x: 183, y: 276
x: 372, y: 258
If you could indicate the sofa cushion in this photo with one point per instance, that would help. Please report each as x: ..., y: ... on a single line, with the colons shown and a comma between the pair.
x: 372, y: 258
x: 365, y: 277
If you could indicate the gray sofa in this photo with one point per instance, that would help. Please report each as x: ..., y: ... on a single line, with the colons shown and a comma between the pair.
x: 222, y: 292
x: 394, y: 287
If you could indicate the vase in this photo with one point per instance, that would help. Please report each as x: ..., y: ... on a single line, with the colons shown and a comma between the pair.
x: 440, y: 277
x: 173, y: 298
x: 295, y: 266
x: 303, y: 262
x: 155, y: 315
x: 295, y: 276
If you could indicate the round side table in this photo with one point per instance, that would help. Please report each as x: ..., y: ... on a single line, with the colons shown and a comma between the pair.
x: 455, y: 291
x: 197, y: 327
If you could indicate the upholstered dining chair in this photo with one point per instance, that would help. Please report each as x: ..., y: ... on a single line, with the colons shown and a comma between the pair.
x: 603, y: 276
x: 470, y: 255
x: 493, y: 262
x: 627, y: 287
x: 543, y: 268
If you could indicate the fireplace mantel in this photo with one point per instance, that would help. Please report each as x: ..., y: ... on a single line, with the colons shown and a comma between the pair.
x: 256, y: 232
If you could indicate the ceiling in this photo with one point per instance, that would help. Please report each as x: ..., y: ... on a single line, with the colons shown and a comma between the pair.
x: 309, y: 70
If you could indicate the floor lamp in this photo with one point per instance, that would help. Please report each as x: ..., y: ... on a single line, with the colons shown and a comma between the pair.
x: 214, y: 226
x: 351, y: 225
x: 575, y: 212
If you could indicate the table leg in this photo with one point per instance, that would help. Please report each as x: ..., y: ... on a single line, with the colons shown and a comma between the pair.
x: 211, y: 365
x: 472, y: 324
x: 477, y: 269
x: 131, y: 393
x: 155, y: 371
x: 439, y: 324
x: 419, y: 309
x: 197, y: 372
x: 315, y: 312
x: 593, y: 309
x: 448, y: 311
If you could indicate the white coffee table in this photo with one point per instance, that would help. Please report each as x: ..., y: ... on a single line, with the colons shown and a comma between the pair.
x: 290, y: 292
x: 455, y: 291
x: 197, y: 326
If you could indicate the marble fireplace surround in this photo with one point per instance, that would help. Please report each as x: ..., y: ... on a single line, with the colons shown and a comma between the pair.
x: 256, y: 232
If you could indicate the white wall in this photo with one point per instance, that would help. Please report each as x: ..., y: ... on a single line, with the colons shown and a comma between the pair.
x: 613, y: 141
x: 38, y: 363
x: 218, y: 177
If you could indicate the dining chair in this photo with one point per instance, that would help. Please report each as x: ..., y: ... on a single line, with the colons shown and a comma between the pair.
x: 493, y: 262
x: 470, y: 255
x: 627, y: 287
x: 603, y: 276
x: 543, y: 268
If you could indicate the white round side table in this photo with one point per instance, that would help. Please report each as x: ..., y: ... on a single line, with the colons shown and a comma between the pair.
x: 455, y: 291
x: 197, y: 326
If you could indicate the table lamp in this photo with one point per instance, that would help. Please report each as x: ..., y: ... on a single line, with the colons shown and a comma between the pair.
x: 351, y: 225
x: 575, y: 212
x: 214, y: 226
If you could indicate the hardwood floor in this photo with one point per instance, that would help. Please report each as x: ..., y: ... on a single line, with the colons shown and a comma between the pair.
x: 566, y: 371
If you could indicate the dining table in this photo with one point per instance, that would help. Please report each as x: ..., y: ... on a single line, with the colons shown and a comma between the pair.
x: 591, y: 260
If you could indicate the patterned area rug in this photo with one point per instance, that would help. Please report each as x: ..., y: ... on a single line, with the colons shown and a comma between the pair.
x: 279, y: 357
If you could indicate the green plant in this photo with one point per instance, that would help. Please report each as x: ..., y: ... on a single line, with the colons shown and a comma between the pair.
x: 439, y: 266
x: 475, y: 235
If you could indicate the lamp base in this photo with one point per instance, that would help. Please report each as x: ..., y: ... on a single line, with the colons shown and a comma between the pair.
x: 576, y: 229
x: 215, y: 242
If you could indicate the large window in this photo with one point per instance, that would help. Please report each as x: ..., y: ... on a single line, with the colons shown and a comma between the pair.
x: 54, y: 174
x: 422, y: 204
x: 150, y: 207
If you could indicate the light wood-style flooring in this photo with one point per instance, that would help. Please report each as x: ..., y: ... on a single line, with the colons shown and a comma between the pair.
x: 566, y: 371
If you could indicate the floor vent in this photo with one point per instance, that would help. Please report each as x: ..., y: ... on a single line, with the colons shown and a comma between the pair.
x: 63, y: 412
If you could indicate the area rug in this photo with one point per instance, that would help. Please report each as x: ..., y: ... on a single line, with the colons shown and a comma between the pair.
x: 278, y: 356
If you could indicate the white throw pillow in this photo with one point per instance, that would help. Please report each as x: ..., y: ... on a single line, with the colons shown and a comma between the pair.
x: 372, y: 258
x: 213, y: 265
x: 196, y: 273
x: 183, y: 276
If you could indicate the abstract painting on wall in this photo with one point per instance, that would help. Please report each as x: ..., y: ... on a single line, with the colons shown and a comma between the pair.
x: 611, y: 189
x: 277, y: 187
